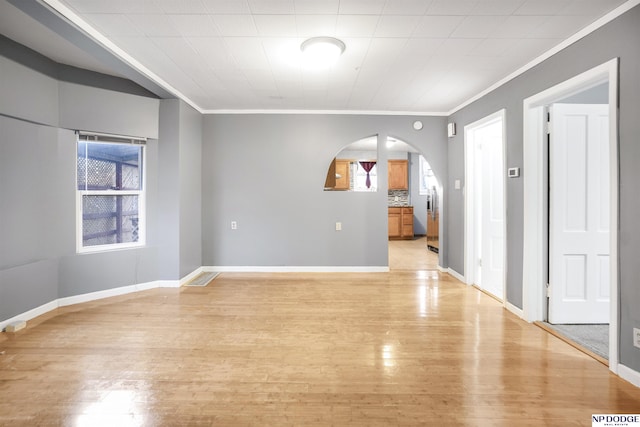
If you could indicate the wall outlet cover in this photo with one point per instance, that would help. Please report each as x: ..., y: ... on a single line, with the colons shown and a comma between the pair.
x: 636, y: 337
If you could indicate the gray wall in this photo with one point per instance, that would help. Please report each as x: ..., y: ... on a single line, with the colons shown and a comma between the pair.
x: 38, y: 263
x: 38, y: 260
x: 190, y: 162
x: 100, y: 110
x: 20, y: 86
x: 179, y: 210
x: 267, y: 173
x: 28, y: 249
x: 168, y: 213
x: 620, y: 38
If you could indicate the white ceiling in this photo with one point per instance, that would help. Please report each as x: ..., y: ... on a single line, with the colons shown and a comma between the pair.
x: 420, y: 56
x: 371, y: 144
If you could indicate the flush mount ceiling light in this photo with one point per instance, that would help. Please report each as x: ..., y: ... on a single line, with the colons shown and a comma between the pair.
x: 321, y: 52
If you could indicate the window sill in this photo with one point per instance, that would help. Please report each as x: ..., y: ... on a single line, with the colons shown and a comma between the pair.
x: 109, y: 248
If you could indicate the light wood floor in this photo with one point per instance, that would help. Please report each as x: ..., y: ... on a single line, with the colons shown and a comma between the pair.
x: 398, y: 348
x: 411, y: 255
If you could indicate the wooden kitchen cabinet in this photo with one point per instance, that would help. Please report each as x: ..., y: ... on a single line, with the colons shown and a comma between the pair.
x: 401, y: 222
x: 342, y: 174
x: 330, y: 181
x: 395, y: 223
x: 338, y: 175
x: 398, y: 171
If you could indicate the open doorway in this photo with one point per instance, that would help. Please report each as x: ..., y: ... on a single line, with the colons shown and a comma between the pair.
x: 559, y: 187
x: 485, y: 205
x: 413, y: 209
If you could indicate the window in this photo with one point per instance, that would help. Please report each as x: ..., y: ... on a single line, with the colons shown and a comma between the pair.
x: 427, y: 179
x: 360, y: 177
x: 110, y: 196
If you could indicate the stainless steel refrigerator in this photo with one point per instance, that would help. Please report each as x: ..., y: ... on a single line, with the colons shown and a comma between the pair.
x: 433, y: 220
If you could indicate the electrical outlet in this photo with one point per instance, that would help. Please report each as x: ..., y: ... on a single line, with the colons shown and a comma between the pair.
x: 636, y: 337
x: 338, y: 226
x: 234, y: 225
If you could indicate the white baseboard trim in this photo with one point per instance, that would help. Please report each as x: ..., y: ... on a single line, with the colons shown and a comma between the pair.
x: 629, y: 374
x: 515, y: 310
x: 455, y: 274
x: 283, y: 269
x: 31, y: 314
x: 91, y: 296
x: 148, y: 285
x: 167, y: 284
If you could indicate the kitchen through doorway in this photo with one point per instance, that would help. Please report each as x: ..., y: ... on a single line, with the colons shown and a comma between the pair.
x: 413, y: 209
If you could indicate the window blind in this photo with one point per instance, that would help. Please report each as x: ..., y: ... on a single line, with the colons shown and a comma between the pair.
x: 104, y: 137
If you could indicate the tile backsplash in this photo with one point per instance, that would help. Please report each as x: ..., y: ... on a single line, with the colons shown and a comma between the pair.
x: 402, y: 195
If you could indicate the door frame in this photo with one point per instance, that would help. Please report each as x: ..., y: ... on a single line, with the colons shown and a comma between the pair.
x: 469, y: 197
x: 535, y: 190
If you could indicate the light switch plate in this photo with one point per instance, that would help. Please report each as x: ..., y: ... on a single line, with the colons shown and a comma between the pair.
x: 338, y: 226
x: 456, y: 184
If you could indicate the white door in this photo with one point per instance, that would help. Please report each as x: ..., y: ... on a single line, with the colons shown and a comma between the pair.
x: 579, y: 214
x: 484, y: 204
x: 492, y: 206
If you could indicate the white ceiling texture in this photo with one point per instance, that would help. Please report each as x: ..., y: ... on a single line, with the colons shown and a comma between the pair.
x: 402, y: 56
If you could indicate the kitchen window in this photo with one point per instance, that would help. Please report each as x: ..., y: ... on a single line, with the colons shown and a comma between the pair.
x: 427, y: 179
x: 360, y: 177
x: 110, y: 193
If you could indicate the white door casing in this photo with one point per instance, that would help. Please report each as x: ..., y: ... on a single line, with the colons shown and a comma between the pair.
x: 485, y: 204
x: 492, y: 216
x: 579, y: 214
x: 478, y: 212
x: 535, y: 235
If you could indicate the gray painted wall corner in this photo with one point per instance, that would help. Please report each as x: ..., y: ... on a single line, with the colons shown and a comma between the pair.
x: 190, y: 189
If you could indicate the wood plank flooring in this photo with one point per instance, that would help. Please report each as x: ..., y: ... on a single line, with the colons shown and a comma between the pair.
x: 411, y: 255
x: 399, y: 348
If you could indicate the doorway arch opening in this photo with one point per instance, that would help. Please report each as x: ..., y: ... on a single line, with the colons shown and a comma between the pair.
x: 413, y: 190
x: 354, y: 167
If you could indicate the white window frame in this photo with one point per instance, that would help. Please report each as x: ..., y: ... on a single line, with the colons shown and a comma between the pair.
x: 422, y: 162
x: 141, y: 194
x: 373, y: 176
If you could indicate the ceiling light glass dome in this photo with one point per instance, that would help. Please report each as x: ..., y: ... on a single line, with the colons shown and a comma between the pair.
x: 321, y: 52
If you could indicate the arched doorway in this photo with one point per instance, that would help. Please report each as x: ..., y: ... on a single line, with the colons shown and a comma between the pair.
x: 418, y: 196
